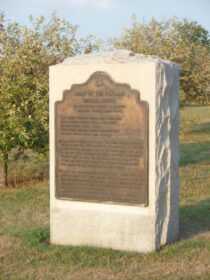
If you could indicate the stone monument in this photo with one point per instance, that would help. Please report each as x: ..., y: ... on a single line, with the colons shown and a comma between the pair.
x: 114, y: 151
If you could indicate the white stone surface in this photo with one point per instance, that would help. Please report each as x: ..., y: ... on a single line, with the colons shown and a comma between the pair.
x: 129, y: 228
x: 121, y: 56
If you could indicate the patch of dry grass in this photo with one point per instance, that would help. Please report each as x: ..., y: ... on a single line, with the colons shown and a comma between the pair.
x: 27, y: 169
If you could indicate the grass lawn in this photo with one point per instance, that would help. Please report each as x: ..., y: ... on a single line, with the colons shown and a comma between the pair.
x: 24, y: 223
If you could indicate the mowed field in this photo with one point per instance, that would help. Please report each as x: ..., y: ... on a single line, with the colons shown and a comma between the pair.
x: 25, y: 252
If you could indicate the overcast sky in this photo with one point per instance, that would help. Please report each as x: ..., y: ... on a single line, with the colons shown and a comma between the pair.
x: 106, y: 18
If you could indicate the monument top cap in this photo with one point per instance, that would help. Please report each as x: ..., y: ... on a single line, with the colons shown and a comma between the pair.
x: 118, y: 56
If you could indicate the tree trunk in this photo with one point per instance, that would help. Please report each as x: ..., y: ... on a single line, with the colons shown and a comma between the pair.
x: 3, y: 171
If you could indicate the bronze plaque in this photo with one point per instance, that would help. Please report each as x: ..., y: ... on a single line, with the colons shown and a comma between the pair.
x: 101, y: 140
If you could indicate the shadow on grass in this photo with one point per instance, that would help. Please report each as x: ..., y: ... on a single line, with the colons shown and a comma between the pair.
x: 194, y: 105
x: 194, y: 219
x: 199, y: 128
x: 194, y: 153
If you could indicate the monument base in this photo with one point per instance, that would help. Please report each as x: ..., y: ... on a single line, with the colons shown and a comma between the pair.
x: 116, y: 227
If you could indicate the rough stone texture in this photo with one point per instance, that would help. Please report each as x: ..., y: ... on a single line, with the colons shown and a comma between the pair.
x: 121, y: 56
x: 167, y: 154
x: 130, y: 228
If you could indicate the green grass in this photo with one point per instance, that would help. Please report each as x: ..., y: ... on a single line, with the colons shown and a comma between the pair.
x: 195, y: 153
x: 25, y: 252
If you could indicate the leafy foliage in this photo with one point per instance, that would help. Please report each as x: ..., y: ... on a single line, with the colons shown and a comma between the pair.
x: 25, y: 56
x: 184, y: 42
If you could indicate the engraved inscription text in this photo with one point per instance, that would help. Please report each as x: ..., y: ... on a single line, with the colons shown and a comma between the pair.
x: 101, y: 143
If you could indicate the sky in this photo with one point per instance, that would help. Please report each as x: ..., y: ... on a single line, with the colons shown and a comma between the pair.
x: 107, y: 18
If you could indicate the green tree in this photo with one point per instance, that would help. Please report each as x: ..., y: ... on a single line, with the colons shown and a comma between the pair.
x: 25, y: 56
x: 184, y: 42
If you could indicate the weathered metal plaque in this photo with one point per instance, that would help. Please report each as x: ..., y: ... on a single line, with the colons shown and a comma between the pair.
x: 101, y: 131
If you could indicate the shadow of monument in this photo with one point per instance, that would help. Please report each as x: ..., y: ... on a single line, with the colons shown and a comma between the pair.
x: 200, y: 128
x: 194, y: 153
x: 194, y: 219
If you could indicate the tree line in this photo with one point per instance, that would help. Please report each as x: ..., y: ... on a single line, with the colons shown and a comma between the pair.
x: 26, y: 52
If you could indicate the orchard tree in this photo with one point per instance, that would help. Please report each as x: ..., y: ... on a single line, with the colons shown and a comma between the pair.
x: 184, y: 42
x: 25, y: 56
